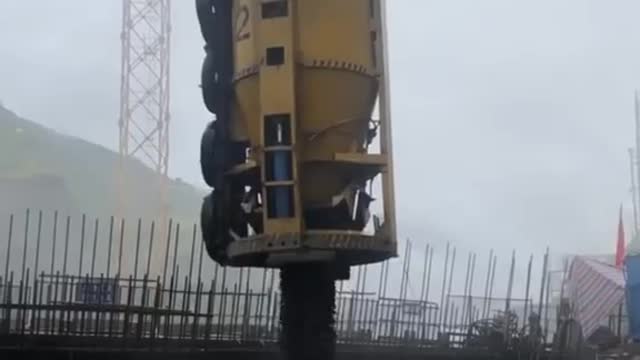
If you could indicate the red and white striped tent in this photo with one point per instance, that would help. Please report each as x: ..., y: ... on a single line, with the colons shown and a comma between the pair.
x: 595, y: 289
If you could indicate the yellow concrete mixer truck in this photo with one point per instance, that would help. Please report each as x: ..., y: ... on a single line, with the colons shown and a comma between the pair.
x: 302, y: 131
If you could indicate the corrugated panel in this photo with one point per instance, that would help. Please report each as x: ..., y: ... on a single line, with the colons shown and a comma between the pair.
x: 595, y: 289
x: 633, y: 293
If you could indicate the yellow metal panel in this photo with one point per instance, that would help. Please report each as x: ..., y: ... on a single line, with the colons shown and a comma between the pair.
x: 332, y: 76
x: 335, y: 30
x: 245, y: 17
x: 386, y: 141
x: 278, y: 96
x: 335, y: 108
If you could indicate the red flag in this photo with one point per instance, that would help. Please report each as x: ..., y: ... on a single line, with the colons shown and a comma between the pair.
x: 620, y: 244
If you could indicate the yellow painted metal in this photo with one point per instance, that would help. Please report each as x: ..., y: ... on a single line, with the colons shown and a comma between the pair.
x: 329, y: 84
x: 386, y: 133
x: 278, y: 96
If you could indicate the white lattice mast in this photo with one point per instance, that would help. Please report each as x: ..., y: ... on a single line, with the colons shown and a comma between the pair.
x: 635, y: 168
x: 145, y: 100
x: 634, y: 190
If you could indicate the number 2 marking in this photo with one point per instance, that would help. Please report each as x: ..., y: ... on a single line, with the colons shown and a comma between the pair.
x: 242, y: 21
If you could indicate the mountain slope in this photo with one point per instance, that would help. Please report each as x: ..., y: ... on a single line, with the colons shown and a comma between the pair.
x: 88, y: 171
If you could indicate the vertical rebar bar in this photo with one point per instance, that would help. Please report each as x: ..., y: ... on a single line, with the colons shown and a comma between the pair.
x: 9, y: 300
x: 80, y: 258
x: 525, y: 316
x: 404, y: 314
x: 507, y: 308
x: 405, y: 270
x: 376, y: 325
x: 486, y: 285
x: 98, y: 320
x: 269, y: 301
x: 121, y: 248
x: 428, y: 290
x: 222, y: 310
x: 466, y: 285
x: 54, y: 240
x: 55, y: 301
x: 193, y: 249
x: 175, y: 249
x: 352, y: 304
x: 38, y: 237
x: 467, y: 319
x: 186, y: 295
x: 34, y: 303
x: 24, y: 248
x: 127, y: 311
x: 167, y: 317
x: 380, y: 283
x: 137, y: 253
x: 403, y: 273
x: 543, y: 283
x: 261, y: 301
x: 39, y: 303
x: 363, y: 296
x: 24, y: 287
x: 210, y: 307
x: 233, y: 320
x: 449, y: 288
x: 85, y: 299
x: 247, y: 300
x: 444, y: 288
x: 150, y: 251
x: 545, y: 334
x: 7, y: 260
x: 96, y: 226
x: 386, y: 279
x: 491, y: 283
x: 426, y: 328
x: 166, y: 252
x: 341, y: 310
x: 111, y: 220
x: 424, y: 272
x: 404, y: 285
x: 454, y: 319
x: 200, y: 262
x: 196, y: 312
x: 173, y: 296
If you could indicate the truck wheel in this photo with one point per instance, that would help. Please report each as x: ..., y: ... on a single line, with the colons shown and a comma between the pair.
x: 208, y: 165
x: 210, y: 228
x: 206, y: 16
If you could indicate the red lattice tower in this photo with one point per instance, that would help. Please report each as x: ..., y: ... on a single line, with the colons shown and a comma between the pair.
x: 145, y: 96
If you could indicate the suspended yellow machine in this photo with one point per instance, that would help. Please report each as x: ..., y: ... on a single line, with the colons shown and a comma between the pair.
x: 295, y: 148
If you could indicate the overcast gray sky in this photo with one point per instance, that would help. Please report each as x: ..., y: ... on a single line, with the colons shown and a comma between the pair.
x: 512, y: 119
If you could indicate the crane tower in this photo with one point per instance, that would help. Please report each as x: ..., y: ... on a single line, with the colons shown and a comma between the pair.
x: 144, y: 100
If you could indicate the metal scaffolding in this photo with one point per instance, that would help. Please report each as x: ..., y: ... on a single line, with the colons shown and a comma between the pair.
x: 145, y: 96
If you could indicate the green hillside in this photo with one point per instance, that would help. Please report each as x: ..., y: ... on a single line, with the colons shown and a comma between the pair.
x: 28, y: 150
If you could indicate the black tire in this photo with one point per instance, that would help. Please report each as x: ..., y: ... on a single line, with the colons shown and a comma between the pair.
x: 206, y: 18
x: 207, y: 224
x: 307, y: 314
x: 209, y: 164
x: 210, y: 82
x: 210, y: 228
